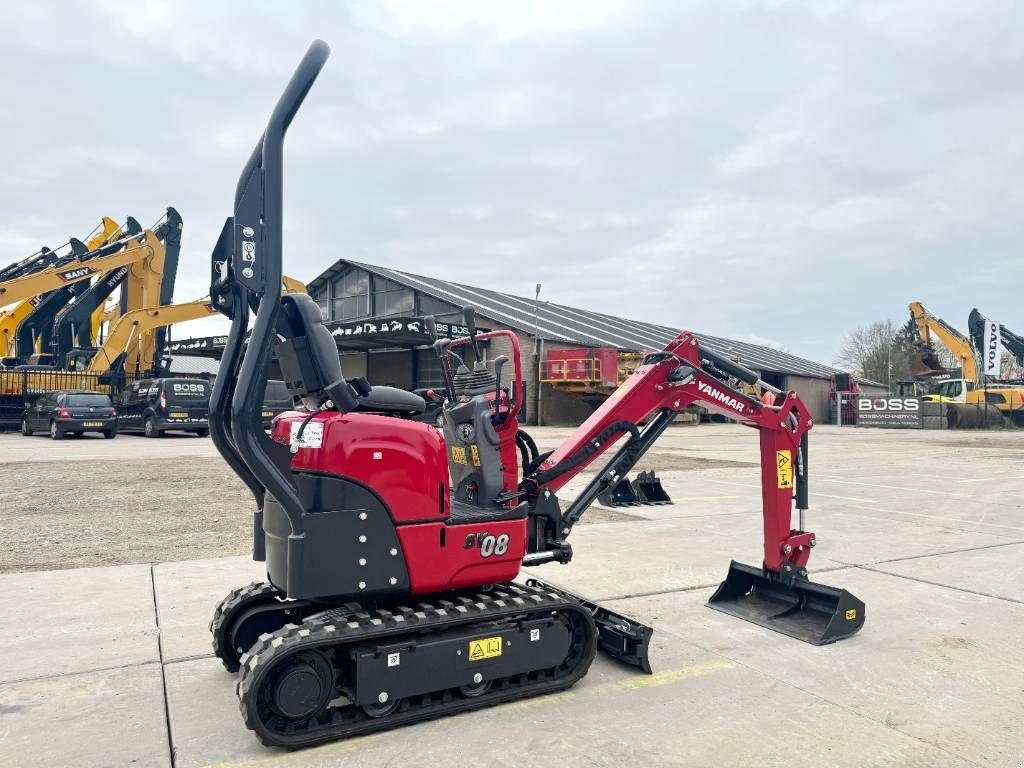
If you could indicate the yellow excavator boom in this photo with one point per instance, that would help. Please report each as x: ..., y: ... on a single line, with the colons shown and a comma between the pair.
x: 11, y: 318
x: 959, y: 345
x: 20, y: 288
x: 128, y: 334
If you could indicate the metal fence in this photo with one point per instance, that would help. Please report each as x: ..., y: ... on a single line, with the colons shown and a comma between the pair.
x: 20, y: 388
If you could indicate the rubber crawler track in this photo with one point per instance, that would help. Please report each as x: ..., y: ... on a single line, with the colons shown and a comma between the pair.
x: 338, y: 628
x: 232, y: 605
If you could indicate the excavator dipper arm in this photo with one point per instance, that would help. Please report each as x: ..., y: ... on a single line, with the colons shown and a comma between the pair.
x: 777, y: 595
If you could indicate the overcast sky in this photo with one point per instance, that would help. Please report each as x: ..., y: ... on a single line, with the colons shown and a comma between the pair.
x: 782, y: 171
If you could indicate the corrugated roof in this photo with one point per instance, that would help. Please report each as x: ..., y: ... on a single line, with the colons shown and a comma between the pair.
x: 557, y: 322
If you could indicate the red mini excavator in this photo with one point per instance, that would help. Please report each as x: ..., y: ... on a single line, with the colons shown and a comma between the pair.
x: 391, y: 547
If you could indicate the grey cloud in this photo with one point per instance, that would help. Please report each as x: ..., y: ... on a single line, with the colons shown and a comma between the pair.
x: 758, y: 170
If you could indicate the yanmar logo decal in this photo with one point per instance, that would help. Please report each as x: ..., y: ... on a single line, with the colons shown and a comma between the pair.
x: 721, y: 397
x: 74, y: 274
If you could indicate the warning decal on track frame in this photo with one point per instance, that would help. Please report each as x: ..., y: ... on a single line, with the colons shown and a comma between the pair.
x: 784, y: 468
x: 484, y: 648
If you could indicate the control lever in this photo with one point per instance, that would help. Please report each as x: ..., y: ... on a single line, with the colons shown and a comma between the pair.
x: 469, y: 316
x: 441, y: 347
x: 499, y: 363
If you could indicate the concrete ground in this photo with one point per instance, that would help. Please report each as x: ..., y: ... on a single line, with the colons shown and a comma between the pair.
x: 111, y: 666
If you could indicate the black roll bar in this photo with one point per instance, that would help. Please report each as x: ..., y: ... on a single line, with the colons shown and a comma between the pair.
x: 257, y: 283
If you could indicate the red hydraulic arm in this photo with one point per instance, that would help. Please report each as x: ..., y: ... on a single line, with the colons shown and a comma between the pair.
x: 667, y: 383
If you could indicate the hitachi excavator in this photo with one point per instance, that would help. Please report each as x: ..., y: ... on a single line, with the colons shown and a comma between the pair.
x: 15, y: 315
x: 392, y: 548
x: 962, y: 390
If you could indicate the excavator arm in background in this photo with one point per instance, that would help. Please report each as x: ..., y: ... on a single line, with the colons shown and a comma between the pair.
x: 125, y: 347
x: 1013, y: 343
x: 925, y: 362
x: 72, y: 270
x: 122, y: 349
x: 12, y: 317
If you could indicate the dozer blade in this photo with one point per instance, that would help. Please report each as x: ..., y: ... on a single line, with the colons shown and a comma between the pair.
x: 621, y: 637
x: 621, y: 495
x: 647, y: 487
x: 811, y: 612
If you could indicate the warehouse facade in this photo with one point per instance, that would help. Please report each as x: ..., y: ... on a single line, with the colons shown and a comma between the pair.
x: 376, y: 315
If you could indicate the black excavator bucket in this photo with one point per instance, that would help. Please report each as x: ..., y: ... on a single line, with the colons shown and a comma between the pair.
x: 648, y: 489
x: 811, y: 612
x: 621, y: 494
x: 622, y: 638
x: 924, y: 361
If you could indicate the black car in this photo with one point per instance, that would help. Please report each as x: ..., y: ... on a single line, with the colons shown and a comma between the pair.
x: 434, y: 397
x: 276, y: 400
x: 156, y: 406
x: 10, y: 363
x: 67, y: 412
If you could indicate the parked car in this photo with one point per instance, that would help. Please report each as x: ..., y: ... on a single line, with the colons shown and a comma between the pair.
x: 434, y: 397
x: 276, y: 400
x: 10, y: 363
x: 156, y: 406
x: 70, y: 412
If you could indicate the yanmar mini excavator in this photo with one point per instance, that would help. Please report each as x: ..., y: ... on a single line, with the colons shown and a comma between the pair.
x: 391, y: 548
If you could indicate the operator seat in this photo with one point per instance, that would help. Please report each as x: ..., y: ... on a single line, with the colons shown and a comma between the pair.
x: 311, y: 367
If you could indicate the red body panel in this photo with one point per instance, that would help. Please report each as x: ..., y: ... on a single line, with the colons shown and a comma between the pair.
x: 433, y: 568
x: 403, y: 461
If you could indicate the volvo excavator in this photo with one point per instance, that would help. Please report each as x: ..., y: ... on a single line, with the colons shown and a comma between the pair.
x: 969, y: 400
x: 15, y: 315
x: 1012, y: 343
x: 392, y: 548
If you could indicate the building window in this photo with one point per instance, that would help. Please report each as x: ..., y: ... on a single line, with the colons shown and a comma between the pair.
x: 431, y: 306
x: 428, y: 369
x: 351, y: 291
x: 391, y: 299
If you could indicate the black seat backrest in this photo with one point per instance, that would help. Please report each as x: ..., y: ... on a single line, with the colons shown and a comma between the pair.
x: 309, y: 359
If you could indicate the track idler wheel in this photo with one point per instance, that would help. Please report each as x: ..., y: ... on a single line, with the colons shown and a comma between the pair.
x: 303, y: 686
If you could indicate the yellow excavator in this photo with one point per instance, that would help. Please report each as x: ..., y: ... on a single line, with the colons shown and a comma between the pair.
x: 120, y: 358
x: 960, y: 387
x: 11, y: 317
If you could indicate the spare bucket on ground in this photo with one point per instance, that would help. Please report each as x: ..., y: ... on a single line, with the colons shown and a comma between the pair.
x: 648, y: 489
x: 621, y: 494
x: 814, y: 613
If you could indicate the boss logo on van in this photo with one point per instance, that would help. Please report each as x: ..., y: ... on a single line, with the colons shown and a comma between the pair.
x: 907, y: 404
x: 194, y: 389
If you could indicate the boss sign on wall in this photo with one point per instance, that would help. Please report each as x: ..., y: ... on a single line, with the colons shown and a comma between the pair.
x: 889, y: 411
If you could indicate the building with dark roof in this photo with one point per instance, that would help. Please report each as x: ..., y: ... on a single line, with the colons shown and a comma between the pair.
x: 376, y: 316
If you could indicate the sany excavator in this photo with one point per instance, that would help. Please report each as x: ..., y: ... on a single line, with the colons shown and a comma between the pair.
x: 14, y: 316
x: 963, y: 388
x: 391, y: 548
x: 1012, y: 343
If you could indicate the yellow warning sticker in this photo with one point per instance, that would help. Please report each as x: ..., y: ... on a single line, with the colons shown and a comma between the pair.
x: 784, y: 468
x: 485, y: 648
x: 474, y: 452
x: 458, y: 454
x: 851, y: 614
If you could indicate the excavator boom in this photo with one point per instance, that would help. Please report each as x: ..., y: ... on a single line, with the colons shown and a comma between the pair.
x: 925, y: 362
